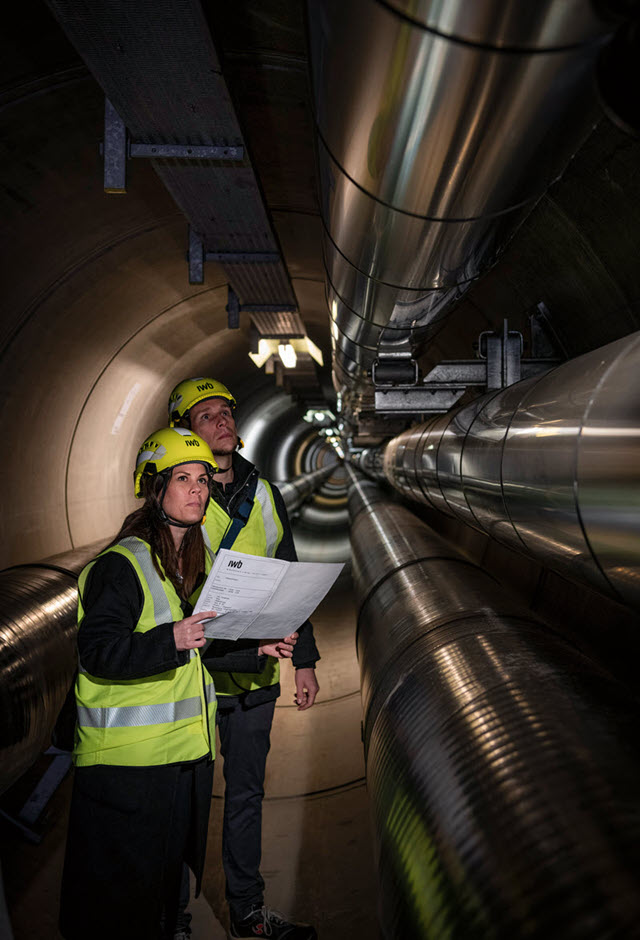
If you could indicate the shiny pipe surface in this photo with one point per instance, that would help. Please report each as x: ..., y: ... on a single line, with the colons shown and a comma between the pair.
x: 37, y: 653
x: 295, y: 492
x: 439, y: 127
x: 369, y: 461
x: 549, y: 466
x: 501, y: 763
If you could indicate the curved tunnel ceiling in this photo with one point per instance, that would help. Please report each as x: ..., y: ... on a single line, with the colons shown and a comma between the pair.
x: 100, y: 320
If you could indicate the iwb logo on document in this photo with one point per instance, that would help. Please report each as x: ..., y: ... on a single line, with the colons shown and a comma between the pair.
x: 234, y: 564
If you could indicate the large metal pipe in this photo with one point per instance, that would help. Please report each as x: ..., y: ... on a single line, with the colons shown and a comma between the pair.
x: 439, y: 127
x: 297, y: 491
x: 549, y: 466
x: 501, y: 763
x: 369, y: 461
x: 37, y: 653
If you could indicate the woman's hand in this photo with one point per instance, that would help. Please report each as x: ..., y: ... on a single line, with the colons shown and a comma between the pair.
x: 189, y: 633
x: 279, y: 649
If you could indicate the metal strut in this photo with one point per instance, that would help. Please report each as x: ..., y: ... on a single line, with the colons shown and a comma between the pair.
x: 499, y: 364
x: 117, y: 148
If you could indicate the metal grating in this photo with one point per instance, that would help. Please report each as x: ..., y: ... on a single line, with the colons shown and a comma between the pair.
x: 279, y: 324
x: 157, y: 64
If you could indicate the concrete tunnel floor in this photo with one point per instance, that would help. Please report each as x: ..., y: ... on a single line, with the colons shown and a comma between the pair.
x: 317, y: 848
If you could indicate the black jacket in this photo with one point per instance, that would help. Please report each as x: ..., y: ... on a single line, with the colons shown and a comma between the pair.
x: 305, y: 653
x: 109, y: 648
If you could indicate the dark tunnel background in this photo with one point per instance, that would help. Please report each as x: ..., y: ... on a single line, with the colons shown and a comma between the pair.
x: 99, y: 322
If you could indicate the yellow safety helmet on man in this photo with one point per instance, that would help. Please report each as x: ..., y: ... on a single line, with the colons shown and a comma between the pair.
x: 168, y: 448
x: 191, y: 391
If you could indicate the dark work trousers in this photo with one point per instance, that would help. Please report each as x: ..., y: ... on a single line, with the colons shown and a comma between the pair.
x: 130, y: 829
x: 244, y: 744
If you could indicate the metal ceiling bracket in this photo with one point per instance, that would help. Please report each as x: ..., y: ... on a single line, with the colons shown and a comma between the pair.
x: 186, y: 151
x: 397, y: 388
x: 502, y: 352
x: 416, y: 399
x: 243, y: 257
x: 197, y: 256
x: 233, y: 310
x: 398, y: 369
x: 114, y: 151
x: 395, y: 376
x: 500, y: 363
x: 117, y: 148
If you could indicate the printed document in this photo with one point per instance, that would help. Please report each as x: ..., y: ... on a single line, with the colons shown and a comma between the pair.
x: 262, y: 598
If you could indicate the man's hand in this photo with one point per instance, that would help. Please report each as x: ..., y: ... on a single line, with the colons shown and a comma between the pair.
x: 279, y: 649
x: 306, y: 688
x: 189, y: 633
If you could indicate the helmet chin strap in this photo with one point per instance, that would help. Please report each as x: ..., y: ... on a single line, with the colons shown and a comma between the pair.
x: 169, y: 521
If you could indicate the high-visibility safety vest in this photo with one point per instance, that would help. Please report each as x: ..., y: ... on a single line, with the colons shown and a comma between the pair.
x: 167, y: 718
x: 261, y: 535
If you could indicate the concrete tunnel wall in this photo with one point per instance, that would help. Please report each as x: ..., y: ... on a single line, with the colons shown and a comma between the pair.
x: 100, y: 322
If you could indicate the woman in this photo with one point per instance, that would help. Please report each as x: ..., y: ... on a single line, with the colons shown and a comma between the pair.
x: 146, y: 706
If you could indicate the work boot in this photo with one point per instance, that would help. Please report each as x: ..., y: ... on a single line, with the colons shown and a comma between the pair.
x: 263, y: 922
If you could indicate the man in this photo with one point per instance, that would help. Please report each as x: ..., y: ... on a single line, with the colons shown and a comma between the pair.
x: 248, y: 515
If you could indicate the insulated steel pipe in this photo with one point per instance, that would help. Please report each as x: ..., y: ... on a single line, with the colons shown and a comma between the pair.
x: 37, y: 654
x: 369, y: 461
x: 439, y: 127
x: 501, y: 763
x: 549, y: 466
x: 295, y: 492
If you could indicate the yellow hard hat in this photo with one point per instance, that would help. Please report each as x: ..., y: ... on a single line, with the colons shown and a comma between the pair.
x: 167, y: 448
x: 189, y: 392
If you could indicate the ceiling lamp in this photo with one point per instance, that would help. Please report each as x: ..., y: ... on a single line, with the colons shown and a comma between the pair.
x: 265, y: 351
x: 287, y: 351
x: 288, y: 355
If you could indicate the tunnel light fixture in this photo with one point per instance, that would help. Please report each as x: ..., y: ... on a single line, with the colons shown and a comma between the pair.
x: 287, y: 351
x: 324, y: 420
x: 265, y: 351
x: 288, y: 355
x: 313, y: 350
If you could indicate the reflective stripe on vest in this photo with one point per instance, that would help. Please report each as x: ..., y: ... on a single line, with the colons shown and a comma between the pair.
x: 159, y: 719
x: 270, y: 528
x: 137, y: 716
x: 161, y: 608
x: 207, y: 541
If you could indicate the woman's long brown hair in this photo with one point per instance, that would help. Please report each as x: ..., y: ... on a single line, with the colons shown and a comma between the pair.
x: 146, y: 523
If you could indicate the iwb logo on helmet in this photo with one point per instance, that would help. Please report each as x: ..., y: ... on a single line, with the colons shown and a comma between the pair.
x: 205, y: 386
